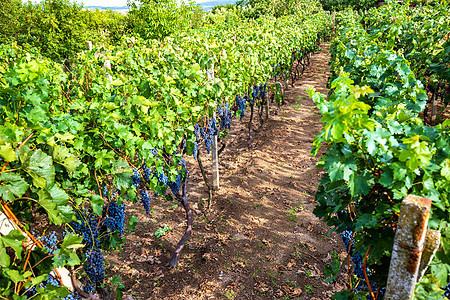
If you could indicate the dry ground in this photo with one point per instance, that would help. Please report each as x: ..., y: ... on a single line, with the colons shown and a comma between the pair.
x: 261, y: 239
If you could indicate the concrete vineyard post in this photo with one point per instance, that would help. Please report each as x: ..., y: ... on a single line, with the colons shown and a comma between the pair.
x: 89, y: 45
x: 432, y: 242
x: 214, y: 148
x: 409, y: 242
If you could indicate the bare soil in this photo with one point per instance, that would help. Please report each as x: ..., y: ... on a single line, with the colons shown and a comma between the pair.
x: 260, y: 239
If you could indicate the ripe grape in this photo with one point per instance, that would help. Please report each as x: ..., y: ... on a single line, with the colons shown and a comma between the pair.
x: 50, y: 242
x: 175, y: 185
x: 147, y: 172
x: 145, y: 198
x: 136, y: 178
x: 241, y: 105
x: 94, y: 267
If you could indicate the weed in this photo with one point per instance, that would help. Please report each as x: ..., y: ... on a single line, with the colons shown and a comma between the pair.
x: 255, y: 275
x: 162, y: 231
x: 291, y: 214
x: 331, y: 271
x: 308, y: 288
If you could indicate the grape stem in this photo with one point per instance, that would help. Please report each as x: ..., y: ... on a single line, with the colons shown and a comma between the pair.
x: 75, y: 285
x: 364, y: 267
x: 184, y: 201
x: 205, y: 178
x: 348, y: 260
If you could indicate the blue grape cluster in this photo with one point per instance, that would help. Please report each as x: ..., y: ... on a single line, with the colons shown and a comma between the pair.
x: 162, y: 177
x: 197, y: 131
x: 263, y: 90
x: 50, y: 242
x: 358, y: 261
x: 241, y: 101
x: 114, y: 216
x: 147, y: 172
x: 94, y: 268
x: 225, y: 116
x: 446, y: 291
x: 145, y: 199
x: 255, y: 94
x: 356, y: 257
x: 87, y: 227
x: 154, y: 151
x: 195, y: 151
x: 136, y: 178
x: 183, y: 163
x: 211, y: 131
x: 374, y: 288
x: 175, y: 185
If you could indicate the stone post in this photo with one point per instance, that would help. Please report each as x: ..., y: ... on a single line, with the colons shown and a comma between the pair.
x: 409, y: 242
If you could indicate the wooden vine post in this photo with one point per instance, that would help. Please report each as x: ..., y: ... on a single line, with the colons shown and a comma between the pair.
x: 214, y: 148
x: 409, y: 243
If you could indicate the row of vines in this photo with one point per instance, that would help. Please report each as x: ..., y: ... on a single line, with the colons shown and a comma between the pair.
x: 79, y: 142
x: 390, y: 70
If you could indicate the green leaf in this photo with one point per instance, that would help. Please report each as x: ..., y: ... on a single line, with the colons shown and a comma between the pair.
x: 97, y: 204
x: 359, y: 183
x: 16, y: 276
x: 13, y: 186
x: 7, y: 152
x: 41, y: 169
x: 5, y: 260
x: 54, y: 202
x: 62, y: 156
x: 14, y: 239
x: 121, y: 174
x: 445, y: 171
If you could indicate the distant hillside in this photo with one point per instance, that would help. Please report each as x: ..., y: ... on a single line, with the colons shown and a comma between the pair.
x: 207, y: 5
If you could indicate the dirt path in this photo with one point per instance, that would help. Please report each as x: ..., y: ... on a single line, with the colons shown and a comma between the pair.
x: 261, y: 239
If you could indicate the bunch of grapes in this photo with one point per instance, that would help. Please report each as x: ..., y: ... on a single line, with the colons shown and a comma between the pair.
x: 154, y: 151
x: 147, y: 172
x: 356, y: 257
x: 162, y: 178
x: 136, y: 178
x: 195, y: 151
x: 255, y: 94
x: 87, y: 227
x: 114, y: 216
x: 175, y: 185
x: 197, y: 132
x: 446, y: 291
x: 94, y: 268
x: 50, y: 242
x: 145, y: 199
x: 225, y: 116
x: 263, y: 90
x: 241, y: 105
x: 210, y: 132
